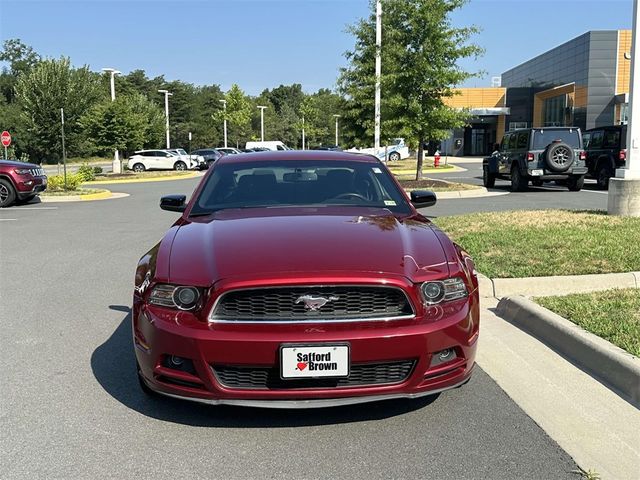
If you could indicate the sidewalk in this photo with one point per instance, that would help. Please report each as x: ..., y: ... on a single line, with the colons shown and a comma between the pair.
x: 595, y: 426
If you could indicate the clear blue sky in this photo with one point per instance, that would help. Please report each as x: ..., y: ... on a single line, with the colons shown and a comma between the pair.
x: 264, y: 43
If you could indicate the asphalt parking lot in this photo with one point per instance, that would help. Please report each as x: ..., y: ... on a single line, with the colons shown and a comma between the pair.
x: 72, y: 407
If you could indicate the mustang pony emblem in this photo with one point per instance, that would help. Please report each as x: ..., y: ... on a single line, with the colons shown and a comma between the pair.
x: 315, y: 302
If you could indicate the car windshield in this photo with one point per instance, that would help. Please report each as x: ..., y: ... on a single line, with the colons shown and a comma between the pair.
x: 542, y: 138
x: 181, y: 151
x: 294, y: 183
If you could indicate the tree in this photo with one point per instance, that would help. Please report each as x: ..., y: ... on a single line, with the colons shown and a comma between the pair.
x: 420, y: 51
x: 41, y: 93
x: 131, y: 122
x: 239, y: 112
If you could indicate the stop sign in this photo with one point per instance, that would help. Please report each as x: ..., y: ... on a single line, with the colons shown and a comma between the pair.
x: 5, y: 138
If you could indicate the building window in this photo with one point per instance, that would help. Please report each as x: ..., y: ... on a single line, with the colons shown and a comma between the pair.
x: 554, y: 111
x: 517, y: 125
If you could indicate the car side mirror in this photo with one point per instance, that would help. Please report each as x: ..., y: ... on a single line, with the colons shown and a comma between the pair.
x: 168, y: 155
x: 173, y: 203
x: 423, y: 198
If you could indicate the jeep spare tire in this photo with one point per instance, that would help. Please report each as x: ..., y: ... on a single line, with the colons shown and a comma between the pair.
x: 559, y: 157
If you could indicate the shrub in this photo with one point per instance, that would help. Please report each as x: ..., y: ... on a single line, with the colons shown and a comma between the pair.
x: 97, y: 170
x: 86, y: 173
x: 56, y: 182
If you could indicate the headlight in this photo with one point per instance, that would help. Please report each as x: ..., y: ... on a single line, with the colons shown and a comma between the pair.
x: 443, y: 290
x: 173, y: 296
x: 22, y: 171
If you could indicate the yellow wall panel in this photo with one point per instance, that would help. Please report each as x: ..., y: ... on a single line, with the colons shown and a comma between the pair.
x: 478, y: 98
x: 624, y: 65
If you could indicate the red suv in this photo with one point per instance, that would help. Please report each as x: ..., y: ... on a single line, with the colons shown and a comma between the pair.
x: 20, y: 182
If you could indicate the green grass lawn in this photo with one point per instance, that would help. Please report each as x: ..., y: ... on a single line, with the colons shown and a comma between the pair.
x: 613, y: 314
x: 434, y: 185
x: 403, y: 165
x: 547, y: 242
x: 78, y: 191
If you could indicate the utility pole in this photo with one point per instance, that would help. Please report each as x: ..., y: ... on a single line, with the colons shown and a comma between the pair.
x: 624, y: 188
x: 336, y: 117
x: 261, y: 107
x: 115, y: 166
x: 302, y: 132
x: 376, y: 135
x: 167, y: 94
x: 224, y: 107
x: 64, y: 152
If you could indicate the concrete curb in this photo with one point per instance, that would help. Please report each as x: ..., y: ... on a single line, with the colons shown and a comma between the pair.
x: 106, y: 195
x: 615, y: 368
x: 408, y: 171
x: 557, y: 285
x: 144, y: 180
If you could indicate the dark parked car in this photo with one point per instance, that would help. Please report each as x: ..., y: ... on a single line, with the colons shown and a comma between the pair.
x: 606, y: 149
x: 210, y: 155
x: 353, y: 295
x: 20, y: 182
x: 537, y: 155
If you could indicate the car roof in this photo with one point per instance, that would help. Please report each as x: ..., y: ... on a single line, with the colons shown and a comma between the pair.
x: 297, y: 155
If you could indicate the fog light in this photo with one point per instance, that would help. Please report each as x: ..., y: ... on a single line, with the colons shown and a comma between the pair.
x: 445, y: 355
x: 176, y: 361
x: 186, y: 298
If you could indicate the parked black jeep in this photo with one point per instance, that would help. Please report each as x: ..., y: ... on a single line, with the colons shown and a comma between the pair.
x: 606, y: 149
x: 537, y: 155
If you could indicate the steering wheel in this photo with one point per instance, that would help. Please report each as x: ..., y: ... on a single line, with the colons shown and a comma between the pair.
x: 351, y: 194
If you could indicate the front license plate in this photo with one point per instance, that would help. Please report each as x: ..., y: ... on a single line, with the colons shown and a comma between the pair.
x: 305, y: 361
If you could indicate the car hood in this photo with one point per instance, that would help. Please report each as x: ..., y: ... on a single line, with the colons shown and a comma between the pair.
x: 11, y: 163
x: 314, y: 241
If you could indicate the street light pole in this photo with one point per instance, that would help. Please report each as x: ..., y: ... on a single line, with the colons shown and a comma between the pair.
x: 624, y: 188
x: 116, y: 168
x: 261, y: 107
x: 302, y: 132
x: 167, y: 94
x: 376, y: 134
x: 224, y: 107
x: 336, y: 117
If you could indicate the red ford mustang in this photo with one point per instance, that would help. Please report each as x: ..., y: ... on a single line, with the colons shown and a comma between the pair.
x: 303, y: 279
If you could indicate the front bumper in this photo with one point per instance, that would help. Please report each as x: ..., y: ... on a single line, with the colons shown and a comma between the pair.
x: 159, y: 333
x: 27, y: 187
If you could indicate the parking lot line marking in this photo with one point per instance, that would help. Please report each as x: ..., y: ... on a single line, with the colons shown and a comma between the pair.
x: 8, y: 219
x: 33, y: 208
x: 595, y: 191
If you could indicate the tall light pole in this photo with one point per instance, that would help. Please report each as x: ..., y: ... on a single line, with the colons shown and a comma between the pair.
x: 376, y: 134
x: 115, y: 166
x: 336, y: 117
x: 167, y: 94
x: 624, y: 188
x: 302, y: 132
x: 224, y: 107
x: 261, y: 107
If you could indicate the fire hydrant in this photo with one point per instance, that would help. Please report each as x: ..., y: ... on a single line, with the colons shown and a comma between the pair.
x: 436, y: 159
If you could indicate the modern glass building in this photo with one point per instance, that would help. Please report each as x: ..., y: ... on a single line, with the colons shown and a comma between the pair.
x: 583, y: 82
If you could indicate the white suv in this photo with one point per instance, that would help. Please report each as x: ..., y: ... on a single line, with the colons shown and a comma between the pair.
x: 156, y: 160
x: 194, y: 161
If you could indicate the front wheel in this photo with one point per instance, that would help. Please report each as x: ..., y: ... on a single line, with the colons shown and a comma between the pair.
x: 575, y: 183
x: 488, y: 178
x: 139, y: 168
x: 394, y: 156
x: 180, y: 166
x: 518, y: 182
x: 7, y: 193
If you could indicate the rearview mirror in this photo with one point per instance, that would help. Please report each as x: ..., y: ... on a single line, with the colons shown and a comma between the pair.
x: 423, y: 198
x: 173, y: 203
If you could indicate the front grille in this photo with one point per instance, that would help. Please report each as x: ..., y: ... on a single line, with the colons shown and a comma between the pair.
x: 288, y: 304
x: 37, y: 172
x: 268, y: 378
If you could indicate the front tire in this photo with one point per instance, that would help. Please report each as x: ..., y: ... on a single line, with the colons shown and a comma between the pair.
x: 139, y: 168
x: 488, y: 178
x: 575, y: 183
x: 518, y: 182
x: 394, y: 156
x: 180, y: 166
x: 7, y: 193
